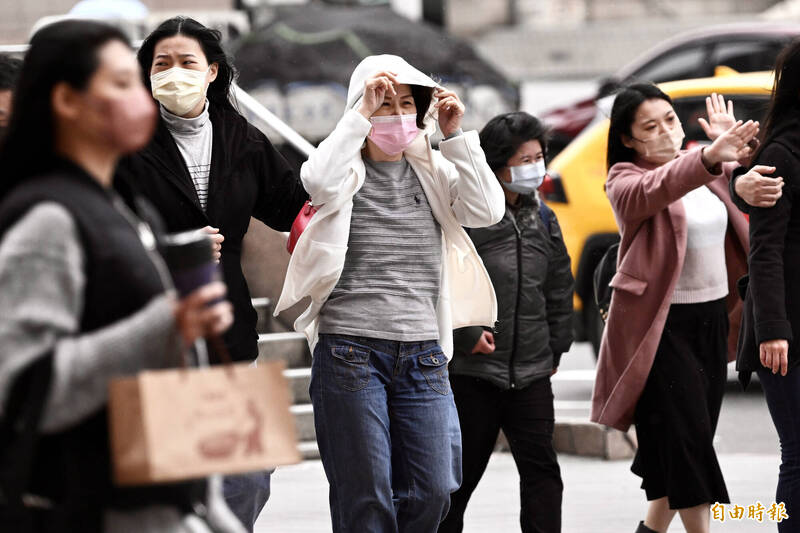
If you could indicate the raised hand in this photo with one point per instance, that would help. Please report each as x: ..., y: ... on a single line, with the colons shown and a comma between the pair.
x: 451, y: 110
x: 757, y: 189
x: 731, y: 145
x: 375, y: 89
x: 720, y: 116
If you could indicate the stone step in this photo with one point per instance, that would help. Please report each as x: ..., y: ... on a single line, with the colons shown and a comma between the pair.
x: 572, y: 435
x: 263, y: 307
x: 299, y: 380
x: 289, y: 346
x: 304, y: 422
x: 309, y: 449
x: 578, y: 436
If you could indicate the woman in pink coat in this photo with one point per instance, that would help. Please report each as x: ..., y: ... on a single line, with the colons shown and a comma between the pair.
x: 667, y: 342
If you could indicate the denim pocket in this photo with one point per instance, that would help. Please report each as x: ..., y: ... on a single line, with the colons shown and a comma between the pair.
x: 434, y: 368
x: 350, y: 366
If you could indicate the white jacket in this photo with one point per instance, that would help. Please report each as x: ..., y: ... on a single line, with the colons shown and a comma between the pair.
x: 459, y: 185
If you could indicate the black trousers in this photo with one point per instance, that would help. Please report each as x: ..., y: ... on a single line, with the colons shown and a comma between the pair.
x: 526, y: 417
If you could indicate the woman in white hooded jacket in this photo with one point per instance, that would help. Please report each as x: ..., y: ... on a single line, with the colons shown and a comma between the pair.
x: 390, y: 272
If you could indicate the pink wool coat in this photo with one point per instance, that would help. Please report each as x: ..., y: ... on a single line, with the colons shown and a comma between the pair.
x: 646, y: 199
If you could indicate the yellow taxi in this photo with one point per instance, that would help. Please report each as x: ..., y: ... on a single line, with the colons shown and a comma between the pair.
x: 574, y: 187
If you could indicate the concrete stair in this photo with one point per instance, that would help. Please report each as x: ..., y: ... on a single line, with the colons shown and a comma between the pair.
x: 292, y: 348
x: 299, y: 380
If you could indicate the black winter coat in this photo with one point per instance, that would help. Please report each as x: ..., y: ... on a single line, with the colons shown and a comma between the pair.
x: 248, y: 177
x: 772, y: 299
x: 530, y: 270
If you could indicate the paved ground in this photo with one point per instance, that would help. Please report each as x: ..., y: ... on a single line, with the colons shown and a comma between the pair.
x: 599, y: 496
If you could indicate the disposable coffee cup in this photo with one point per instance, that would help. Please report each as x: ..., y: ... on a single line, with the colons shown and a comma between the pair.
x: 190, y: 258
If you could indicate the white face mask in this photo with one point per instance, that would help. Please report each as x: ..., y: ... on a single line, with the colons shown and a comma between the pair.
x: 179, y: 89
x: 663, y: 148
x: 526, y: 178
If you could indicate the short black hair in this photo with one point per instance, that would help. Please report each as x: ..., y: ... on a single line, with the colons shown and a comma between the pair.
x: 502, y: 136
x: 623, y: 111
x: 9, y: 71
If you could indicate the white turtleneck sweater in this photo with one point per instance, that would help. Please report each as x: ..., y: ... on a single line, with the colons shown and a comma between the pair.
x: 194, y: 138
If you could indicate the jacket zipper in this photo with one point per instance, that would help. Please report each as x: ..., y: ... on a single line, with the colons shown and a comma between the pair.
x: 511, y: 378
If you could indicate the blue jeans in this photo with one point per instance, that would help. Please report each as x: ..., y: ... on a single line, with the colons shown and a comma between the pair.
x: 246, y: 495
x: 388, y: 433
x: 783, y: 400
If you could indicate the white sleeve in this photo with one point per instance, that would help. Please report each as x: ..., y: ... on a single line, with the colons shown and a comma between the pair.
x: 476, y: 196
x: 328, y: 167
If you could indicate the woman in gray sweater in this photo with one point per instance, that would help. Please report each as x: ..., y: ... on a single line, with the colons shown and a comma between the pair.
x: 84, y: 295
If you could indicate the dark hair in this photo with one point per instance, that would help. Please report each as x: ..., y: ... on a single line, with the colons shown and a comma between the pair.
x: 422, y: 101
x: 9, y: 71
x: 626, y: 103
x: 502, y: 136
x: 210, y: 41
x: 67, y: 52
x: 785, y: 92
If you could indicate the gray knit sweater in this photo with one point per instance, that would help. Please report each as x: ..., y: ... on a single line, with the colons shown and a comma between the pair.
x: 41, y: 295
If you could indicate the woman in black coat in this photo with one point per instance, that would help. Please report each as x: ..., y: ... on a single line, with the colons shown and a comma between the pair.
x: 772, y: 301
x: 244, y: 174
x: 501, y: 380
x: 207, y: 167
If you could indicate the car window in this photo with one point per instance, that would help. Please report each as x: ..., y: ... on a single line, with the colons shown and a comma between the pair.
x: 746, y: 56
x: 689, y: 110
x: 680, y: 64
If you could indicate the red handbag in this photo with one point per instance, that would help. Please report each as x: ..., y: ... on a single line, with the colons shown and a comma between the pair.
x: 299, y: 224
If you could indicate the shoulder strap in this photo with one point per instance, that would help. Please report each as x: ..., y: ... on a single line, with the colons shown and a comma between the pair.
x: 19, y: 431
x: 544, y: 213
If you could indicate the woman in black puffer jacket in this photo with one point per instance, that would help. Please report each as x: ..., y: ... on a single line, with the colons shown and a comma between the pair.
x: 501, y: 379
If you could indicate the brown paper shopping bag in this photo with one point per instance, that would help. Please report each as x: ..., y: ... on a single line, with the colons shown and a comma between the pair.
x: 177, y: 424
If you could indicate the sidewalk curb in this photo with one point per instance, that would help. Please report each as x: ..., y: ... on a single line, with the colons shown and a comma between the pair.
x: 577, y: 436
x: 581, y: 437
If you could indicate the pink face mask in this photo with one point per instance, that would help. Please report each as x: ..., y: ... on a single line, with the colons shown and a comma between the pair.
x: 392, y: 134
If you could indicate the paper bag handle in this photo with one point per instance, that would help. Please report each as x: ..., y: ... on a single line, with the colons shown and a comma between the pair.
x: 203, y: 360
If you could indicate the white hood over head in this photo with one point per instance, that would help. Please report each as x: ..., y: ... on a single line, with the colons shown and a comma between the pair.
x: 405, y: 73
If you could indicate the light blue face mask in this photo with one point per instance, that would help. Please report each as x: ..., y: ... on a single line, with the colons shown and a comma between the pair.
x: 526, y: 178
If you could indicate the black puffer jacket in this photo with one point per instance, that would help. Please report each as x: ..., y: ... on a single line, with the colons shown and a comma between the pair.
x: 530, y: 269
